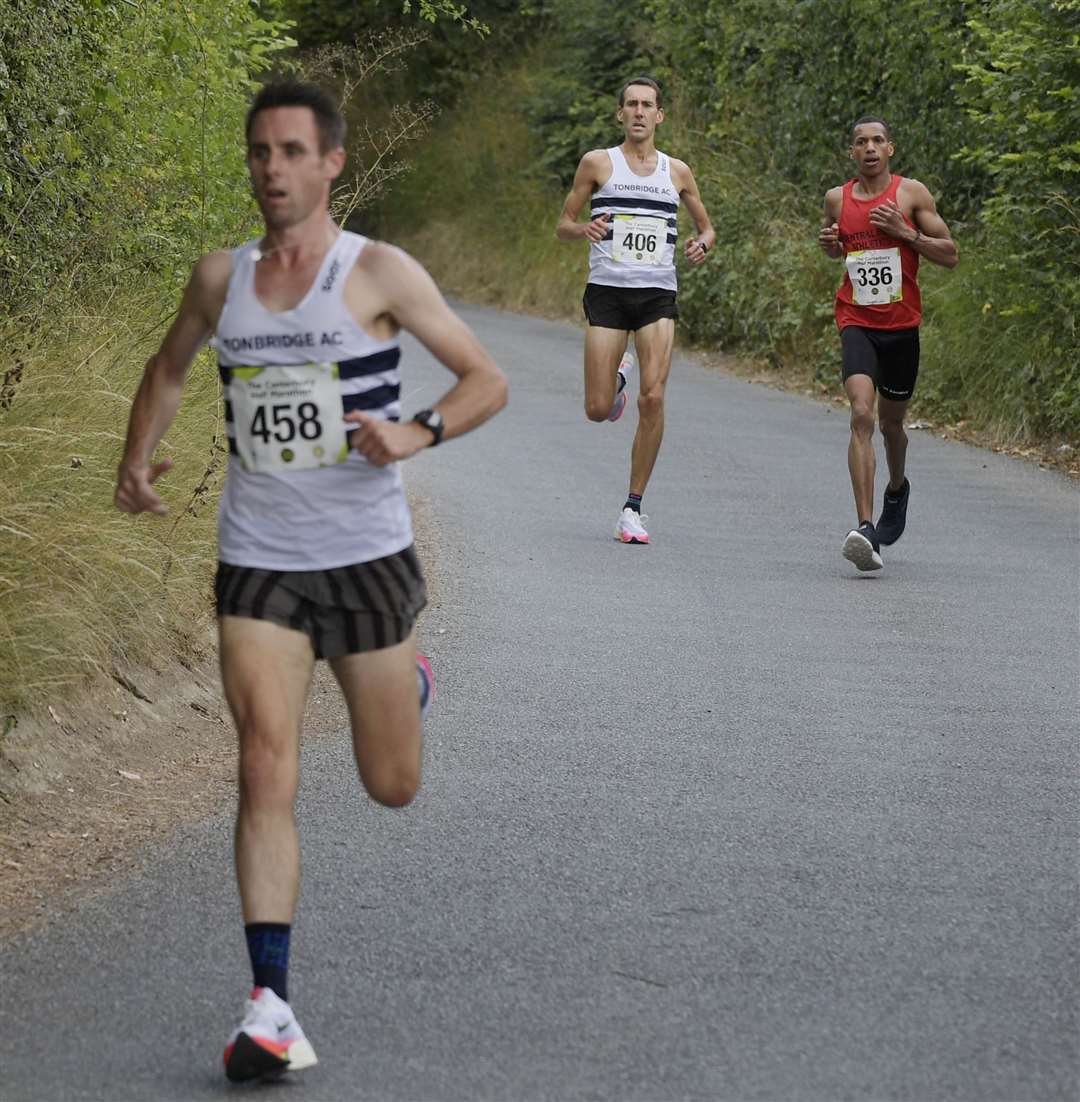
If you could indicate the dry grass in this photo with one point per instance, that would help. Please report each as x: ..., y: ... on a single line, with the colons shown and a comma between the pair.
x: 472, y: 212
x: 81, y: 585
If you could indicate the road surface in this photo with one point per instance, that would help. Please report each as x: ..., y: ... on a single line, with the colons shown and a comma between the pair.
x: 717, y: 818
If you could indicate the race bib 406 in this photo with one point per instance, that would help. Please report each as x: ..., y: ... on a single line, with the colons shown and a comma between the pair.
x: 288, y: 418
x: 636, y: 239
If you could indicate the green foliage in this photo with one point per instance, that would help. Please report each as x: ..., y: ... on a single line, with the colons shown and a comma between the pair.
x: 1023, y: 92
x: 789, y: 77
x: 572, y: 108
x: 452, y: 61
x: 984, y: 104
x: 118, y: 126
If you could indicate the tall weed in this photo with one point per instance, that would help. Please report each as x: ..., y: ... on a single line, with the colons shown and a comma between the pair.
x: 81, y: 584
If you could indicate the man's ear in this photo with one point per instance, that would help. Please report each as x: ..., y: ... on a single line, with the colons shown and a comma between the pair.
x: 335, y: 161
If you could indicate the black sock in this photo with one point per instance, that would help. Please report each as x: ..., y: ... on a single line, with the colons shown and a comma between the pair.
x: 633, y: 501
x: 268, y: 948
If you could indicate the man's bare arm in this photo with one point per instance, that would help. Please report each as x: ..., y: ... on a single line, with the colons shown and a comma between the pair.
x: 586, y: 180
x: 158, y: 397
x: 931, y: 237
x: 411, y: 298
x: 829, y: 235
x: 697, y: 247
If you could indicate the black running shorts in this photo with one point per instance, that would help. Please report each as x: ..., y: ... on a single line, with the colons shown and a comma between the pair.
x: 889, y: 356
x: 347, y: 610
x: 627, y: 308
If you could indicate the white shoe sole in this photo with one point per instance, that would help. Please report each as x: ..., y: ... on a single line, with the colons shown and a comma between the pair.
x: 859, y: 550
x: 301, y: 1055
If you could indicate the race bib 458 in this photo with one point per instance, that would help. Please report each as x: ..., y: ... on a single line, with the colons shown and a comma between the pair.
x: 288, y: 418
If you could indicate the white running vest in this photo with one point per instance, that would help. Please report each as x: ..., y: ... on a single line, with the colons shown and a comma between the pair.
x: 295, y: 496
x: 639, y: 249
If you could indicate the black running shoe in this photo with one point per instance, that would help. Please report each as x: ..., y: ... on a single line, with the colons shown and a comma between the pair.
x: 861, y: 546
x: 893, y: 515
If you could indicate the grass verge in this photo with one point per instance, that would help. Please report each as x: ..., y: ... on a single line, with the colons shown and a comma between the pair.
x: 82, y: 585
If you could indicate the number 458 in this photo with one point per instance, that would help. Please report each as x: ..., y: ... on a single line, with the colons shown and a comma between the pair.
x: 284, y: 426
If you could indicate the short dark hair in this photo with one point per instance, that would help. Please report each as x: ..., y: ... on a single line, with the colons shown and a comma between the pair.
x: 871, y: 118
x: 287, y: 92
x: 649, y: 83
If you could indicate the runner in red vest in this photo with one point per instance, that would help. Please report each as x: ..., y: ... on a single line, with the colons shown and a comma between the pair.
x: 880, y: 223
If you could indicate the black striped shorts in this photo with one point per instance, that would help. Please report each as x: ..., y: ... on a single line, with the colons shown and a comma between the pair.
x: 346, y: 610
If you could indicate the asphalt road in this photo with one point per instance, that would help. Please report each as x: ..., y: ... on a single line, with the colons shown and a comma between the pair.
x: 716, y: 818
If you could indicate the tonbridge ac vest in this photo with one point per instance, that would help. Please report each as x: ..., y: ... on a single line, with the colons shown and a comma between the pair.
x: 639, y: 247
x: 296, y: 497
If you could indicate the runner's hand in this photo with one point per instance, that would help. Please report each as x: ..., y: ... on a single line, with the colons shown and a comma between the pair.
x: 889, y: 217
x: 829, y: 237
x: 695, y: 252
x: 382, y: 442
x: 135, y: 492
x: 596, y: 230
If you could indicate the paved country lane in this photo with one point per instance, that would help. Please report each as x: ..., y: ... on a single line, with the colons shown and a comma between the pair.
x: 716, y: 818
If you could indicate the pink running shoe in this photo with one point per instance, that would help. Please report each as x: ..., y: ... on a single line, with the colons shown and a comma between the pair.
x: 619, y: 405
x: 631, y: 527
x: 425, y: 679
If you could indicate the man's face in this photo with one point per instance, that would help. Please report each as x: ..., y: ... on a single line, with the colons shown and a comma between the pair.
x: 871, y: 149
x: 289, y: 175
x: 639, y: 113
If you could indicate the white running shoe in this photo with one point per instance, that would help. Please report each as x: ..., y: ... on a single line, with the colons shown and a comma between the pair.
x: 268, y: 1041
x: 631, y: 527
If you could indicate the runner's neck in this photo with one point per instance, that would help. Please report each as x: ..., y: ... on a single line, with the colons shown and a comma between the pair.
x: 294, y: 245
x: 640, y: 155
x: 870, y: 187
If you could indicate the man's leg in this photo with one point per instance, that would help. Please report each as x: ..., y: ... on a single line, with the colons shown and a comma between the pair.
x: 861, y: 462
x: 653, y: 343
x: 893, y: 520
x: 266, y: 671
x: 384, y: 706
x: 861, y: 545
x: 603, y: 351
x: 891, y: 419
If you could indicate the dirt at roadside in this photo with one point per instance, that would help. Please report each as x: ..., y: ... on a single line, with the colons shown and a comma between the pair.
x: 84, y: 787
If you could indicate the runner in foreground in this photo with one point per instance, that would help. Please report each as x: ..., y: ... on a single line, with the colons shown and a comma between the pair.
x: 880, y: 224
x: 632, y: 233
x: 315, y: 537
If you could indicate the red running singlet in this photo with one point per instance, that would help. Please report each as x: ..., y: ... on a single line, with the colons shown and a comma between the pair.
x: 880, y: 288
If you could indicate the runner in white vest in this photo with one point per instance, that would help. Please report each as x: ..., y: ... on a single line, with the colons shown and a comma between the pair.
x: 315, y: 540
x: 632, y: 232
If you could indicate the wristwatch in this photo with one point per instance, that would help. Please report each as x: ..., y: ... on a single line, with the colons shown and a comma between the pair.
x: 432, y: 420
